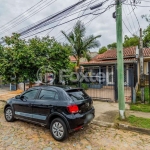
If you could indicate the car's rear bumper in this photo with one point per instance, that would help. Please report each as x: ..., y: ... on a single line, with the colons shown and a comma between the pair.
x: 77, y: 121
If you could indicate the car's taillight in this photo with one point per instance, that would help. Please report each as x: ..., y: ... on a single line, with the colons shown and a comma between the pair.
x: 73, y: 109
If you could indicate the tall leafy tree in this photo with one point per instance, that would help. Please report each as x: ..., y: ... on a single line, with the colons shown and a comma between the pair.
x: 22, y: 59
x: 102, y: 50
x: 79, y: 42
x: 131, y: 41
x: 10, y: 62
x: 112, y: 46
x: 146, y: 37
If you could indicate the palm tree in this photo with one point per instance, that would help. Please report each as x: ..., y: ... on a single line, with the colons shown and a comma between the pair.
x: 81, y: 44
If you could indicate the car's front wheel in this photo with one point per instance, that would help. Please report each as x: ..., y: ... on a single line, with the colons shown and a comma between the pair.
x: 9, y: 114
x: 58, y: 129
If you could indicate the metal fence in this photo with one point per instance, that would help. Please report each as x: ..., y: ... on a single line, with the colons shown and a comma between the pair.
x: 147, y: 85
x: 102, y: 82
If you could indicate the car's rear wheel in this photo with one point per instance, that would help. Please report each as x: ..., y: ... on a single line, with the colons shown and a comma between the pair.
x: 9, y: 114
x: 58, y: 129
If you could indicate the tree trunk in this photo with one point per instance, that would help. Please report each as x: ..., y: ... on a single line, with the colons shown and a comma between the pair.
x: 78, y: 62
x: 30, y: 84
x: 16, y: 83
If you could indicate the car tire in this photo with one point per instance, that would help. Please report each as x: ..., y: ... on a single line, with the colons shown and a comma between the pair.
x: 58, y: 129
x: 9, y: 116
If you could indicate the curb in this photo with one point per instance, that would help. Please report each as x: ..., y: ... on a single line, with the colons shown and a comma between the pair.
x: 103, y: 100
x: 121, y: 126
x: 132, y: 128
x: 103, y: 124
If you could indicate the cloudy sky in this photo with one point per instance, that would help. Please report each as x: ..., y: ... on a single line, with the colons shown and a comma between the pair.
x: 103, y: 24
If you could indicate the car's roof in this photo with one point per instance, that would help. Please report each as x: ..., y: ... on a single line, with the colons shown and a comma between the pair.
x: 57, y: 87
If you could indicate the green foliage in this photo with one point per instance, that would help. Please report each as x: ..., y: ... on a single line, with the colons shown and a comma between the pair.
x: 130, y: 41
x: 146, y: 17
x: 138, y: 95
x: 146, y: 37
x: 22, y: 59
x: 139, y: 122
x: 84, y: 86
x: 140, y: 107
x: 102, y: 50
x: 112, y: 46
x: 146, y: 94
x: 14, y: 55
x: 79, y: 43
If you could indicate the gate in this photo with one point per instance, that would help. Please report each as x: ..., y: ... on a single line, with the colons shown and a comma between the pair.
x: 101, y: 82
x: 104, y: 86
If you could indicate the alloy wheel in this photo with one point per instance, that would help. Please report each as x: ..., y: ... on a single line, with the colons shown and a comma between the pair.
x: 58, y: 130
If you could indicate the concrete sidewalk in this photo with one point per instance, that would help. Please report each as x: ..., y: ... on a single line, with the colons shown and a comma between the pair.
x: 5, y: 94
x: 107, y: 112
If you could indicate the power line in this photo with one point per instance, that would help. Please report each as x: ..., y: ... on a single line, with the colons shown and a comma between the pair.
x: 136, y: 5
x: 66, y: 22
x: 70, y: 14
x: 79, y: 18
x: 127, y: 18
x: 43, y: 20
x: 132, y: 19
x: 127, y: 27
x: 145, y: 1
x: 47, y: 21
x: 57, y: 25
x: 21, y: 14
x: 136, y: 17
x: 24, y: 19
x: 87, y: 22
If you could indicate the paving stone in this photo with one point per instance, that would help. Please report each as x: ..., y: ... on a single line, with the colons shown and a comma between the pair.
x: 26, y: 136
x: 47, y: 148
x: 89, y: 147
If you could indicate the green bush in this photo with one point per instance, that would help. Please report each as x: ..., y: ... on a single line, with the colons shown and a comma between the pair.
x: 146, y: 94
x: 138, y: 95
x: 84, y: 86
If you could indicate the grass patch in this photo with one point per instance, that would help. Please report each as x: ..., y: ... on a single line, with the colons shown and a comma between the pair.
x: 140, y: 107
x: 146, y: 93
x: 139, y: 122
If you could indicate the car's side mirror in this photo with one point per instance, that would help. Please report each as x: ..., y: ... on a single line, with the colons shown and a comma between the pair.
x: 18, y: 97
x: 23, y: 98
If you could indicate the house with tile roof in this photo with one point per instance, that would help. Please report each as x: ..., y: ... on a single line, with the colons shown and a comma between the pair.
x: 106, y: 62
x: 92, y: 55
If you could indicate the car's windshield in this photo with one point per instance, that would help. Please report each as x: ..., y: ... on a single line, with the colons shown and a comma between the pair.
x: 78, y: 95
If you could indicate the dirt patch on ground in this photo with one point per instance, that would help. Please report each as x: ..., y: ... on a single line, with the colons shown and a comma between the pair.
x: 2, y: 104
x: 108, y: 116
x: 9, y: 94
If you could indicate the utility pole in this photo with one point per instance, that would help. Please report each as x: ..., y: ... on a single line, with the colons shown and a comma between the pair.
x: 120, y: 63
x: 141, y: 67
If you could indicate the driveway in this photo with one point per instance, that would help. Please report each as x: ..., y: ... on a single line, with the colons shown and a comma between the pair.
x: 20, y: 135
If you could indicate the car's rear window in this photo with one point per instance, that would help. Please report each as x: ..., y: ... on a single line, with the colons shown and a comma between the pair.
x: 78, y: 95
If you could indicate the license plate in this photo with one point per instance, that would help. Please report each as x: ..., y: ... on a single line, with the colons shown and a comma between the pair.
x: 89, y: 117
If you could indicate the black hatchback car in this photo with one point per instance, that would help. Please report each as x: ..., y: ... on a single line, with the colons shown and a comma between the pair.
x: 63, y: 110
